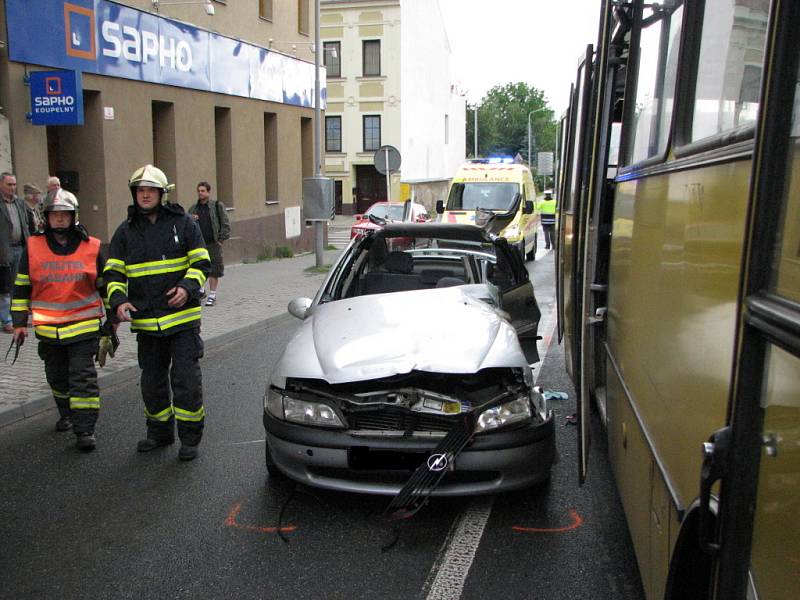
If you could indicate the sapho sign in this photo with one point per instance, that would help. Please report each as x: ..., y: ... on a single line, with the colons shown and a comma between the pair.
x: 56, y: 98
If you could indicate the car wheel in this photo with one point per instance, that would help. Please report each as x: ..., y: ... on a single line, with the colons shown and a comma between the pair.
x: 272, y: 469
x: 532, y: 254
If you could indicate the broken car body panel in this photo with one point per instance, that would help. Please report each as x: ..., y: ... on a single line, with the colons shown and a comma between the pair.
x: 396, y: 346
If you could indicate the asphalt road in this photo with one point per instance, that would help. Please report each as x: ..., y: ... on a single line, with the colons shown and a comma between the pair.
x: 117, y: 524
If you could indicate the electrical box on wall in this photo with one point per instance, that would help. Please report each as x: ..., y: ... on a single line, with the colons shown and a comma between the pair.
x: 317, y: 198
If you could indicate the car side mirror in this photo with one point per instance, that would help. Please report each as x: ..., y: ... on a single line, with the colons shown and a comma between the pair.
x: 528, y: 208
x: 439, y: 207
x: 299, y: 307
x: 358, y: 217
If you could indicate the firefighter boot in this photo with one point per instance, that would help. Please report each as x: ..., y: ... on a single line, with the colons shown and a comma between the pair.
x: 64, y: 424
x: 148, y: 444
x: 85, y: 442
x: 187, y: 452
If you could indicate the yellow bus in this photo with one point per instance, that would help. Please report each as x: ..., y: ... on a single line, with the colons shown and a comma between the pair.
x: 678, y: 266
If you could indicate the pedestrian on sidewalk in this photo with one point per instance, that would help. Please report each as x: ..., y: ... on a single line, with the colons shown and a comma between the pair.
x: 156, y: 267
x: 14, y: 232
x: 59, y: 282
x: 34, y: 206
x: 216, y: 228
x: 547, y: 215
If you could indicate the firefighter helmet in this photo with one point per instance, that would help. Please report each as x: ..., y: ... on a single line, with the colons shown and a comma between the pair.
x: 61, y: 200
x: 150, y: 176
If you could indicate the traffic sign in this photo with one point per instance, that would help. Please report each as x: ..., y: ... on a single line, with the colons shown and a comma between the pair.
x: 387, y: 160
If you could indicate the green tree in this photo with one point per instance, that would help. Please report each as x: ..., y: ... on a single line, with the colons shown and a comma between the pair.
x: 503, y: 122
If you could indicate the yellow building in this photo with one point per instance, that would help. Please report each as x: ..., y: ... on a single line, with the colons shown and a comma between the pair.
x: 389, y: 82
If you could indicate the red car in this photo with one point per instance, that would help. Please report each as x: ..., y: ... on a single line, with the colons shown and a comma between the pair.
x: 389, y: 211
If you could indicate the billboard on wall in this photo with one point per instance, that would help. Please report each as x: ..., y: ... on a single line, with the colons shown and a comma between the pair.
x: 106, y: 38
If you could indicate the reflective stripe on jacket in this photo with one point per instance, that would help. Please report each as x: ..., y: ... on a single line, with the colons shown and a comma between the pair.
x: 147, y: 259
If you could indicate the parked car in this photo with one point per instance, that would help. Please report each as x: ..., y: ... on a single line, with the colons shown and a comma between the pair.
x: 387, y: 212
x: 394, y: 349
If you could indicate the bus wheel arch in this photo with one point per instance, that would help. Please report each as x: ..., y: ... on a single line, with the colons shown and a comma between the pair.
x: 691, y: 568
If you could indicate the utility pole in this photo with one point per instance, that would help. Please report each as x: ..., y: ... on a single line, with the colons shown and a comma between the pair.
x: 319, y: 231
x: 475, y: 113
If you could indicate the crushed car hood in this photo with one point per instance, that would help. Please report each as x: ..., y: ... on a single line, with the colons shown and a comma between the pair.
x: 446, y: 330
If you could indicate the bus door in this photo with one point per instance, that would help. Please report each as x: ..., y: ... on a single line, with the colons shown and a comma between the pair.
x: 563, y: 137
x: 569, y: 243
x: 608, y: 88
x: 757, y: 457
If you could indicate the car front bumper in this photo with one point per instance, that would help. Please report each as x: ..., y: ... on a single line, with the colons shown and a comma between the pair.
x: 339, y: 460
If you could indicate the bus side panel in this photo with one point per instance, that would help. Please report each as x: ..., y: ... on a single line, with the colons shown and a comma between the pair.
x: 632, y: 466
x: 673, y: 281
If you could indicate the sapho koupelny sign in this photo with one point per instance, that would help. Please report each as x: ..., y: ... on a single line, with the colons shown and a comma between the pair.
x: 56, y: 98
x: 106, y: 38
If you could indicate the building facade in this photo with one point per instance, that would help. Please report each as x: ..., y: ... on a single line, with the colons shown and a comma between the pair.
x: 227, y: 98
x: 389, y: 82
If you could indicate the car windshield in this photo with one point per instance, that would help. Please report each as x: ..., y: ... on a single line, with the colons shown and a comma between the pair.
x: 390, y: 212
x: 487, y: 195
x: 380, y: 265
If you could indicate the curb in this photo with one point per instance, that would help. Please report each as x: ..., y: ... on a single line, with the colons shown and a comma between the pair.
x: 15, y: 414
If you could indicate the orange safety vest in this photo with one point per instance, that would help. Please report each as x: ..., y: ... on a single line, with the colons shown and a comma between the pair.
x: 63, y: 288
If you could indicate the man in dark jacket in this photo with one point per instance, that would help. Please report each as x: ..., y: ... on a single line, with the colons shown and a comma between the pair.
x: 216, y: 228
x: 156, y: 267
x: 14, y: 232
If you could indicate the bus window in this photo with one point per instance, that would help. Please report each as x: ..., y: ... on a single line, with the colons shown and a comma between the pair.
x: 655, y: 86
x: 729, y: 66
x: 786, y: 270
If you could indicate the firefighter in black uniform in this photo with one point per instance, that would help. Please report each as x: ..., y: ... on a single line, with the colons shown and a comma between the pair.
x: 59, y: 281
x: 154, y: 274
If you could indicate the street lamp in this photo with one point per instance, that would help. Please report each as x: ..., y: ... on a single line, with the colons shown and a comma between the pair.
x: 208, y: 6
x: 530, y: 159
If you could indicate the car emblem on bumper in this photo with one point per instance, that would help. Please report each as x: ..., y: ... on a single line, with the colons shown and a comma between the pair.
x: 437, y: 462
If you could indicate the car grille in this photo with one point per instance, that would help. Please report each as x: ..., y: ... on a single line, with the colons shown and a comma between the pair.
x: 399, y: 419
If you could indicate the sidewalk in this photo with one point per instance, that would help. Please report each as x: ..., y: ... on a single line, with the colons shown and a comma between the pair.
x: 249, y: 294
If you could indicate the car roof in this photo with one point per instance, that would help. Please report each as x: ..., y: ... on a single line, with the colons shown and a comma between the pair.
x: 449, y: 231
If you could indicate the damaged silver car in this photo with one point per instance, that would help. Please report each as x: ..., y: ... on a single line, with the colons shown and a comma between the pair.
x: 398, y: 349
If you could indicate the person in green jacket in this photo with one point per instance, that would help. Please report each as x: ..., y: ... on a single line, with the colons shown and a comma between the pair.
x: 547, y: 214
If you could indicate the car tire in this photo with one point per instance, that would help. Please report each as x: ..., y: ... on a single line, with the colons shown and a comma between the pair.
x: 532, y: 254
x: 272, y: 469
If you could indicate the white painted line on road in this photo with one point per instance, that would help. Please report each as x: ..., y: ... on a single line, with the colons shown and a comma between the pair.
x: 449, y: 572
x: 250, y: 442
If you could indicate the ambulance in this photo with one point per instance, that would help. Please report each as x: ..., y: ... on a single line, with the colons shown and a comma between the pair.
x: 495, y: 193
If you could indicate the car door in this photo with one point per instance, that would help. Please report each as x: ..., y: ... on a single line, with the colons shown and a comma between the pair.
x: 516, y: 291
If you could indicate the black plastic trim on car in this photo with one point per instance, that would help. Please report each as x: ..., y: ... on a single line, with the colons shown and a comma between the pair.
x: 340, y: 438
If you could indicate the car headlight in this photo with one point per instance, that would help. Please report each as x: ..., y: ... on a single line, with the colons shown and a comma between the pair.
x: 291, y: 409
x: 516, y: 411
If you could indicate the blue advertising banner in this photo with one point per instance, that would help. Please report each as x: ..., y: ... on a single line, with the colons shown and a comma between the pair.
x: 106, y: 38
x: 56, y: 98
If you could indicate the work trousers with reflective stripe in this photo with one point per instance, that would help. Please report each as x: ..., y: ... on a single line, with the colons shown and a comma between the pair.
x: 72, y: 376
x: 170, y: 366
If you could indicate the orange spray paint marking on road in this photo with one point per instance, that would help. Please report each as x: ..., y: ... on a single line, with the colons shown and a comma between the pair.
x: 577, y: 521
x: 231, y: 522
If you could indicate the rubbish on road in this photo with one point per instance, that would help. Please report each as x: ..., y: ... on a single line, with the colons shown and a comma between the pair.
x: 551, y: 395
x: 571, y: 419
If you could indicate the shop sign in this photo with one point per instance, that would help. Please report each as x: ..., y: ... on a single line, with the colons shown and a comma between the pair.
x: 107, y: 38
x: 56, y: 98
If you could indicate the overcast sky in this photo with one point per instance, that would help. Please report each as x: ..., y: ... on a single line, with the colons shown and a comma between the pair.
x: 495, y: 42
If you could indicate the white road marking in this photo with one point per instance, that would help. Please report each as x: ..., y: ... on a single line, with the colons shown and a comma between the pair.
x: 449, y: 572
x: 261, y: 441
